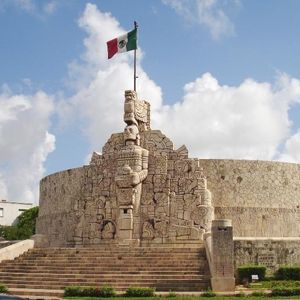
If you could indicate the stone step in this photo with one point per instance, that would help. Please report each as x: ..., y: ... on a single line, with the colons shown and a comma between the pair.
x: 180, y: 269
x: 37, y: 293
x: 115, y: 277
x: 108, y: 260
x: 105, y: 268
x: 117, y: 257
x: 108, y: 267
x: 118, y: 248
x: 159, y: 285
x: 85, y: 271
x: 149, y: 252
x: 11, y: 275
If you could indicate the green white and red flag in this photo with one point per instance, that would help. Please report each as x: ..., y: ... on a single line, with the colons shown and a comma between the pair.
x: 123, y: 43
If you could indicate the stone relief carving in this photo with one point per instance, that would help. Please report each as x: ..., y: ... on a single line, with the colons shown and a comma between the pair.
x: 108, y: 230
x: 140, y: 188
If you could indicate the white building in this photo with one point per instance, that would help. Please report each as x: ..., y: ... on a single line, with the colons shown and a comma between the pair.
x: 9, y: 211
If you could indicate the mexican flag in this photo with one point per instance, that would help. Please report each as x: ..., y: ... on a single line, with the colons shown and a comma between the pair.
x: 122, y: 43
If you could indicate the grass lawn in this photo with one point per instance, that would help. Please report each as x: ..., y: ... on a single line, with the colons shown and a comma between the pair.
x: 269, y: 284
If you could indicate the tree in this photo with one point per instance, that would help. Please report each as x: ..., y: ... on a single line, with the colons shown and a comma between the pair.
x: 24, y: 228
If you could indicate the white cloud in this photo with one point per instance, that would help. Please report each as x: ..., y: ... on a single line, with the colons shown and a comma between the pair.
x: 207, y: 13
x: 215, y: 121
x: 50, y: 7
x: 34, y: 7
x: 291, y: 152
x: 24, y: 144
x: 100, y: 83
x: 28, y: 6
x: 248, y: 121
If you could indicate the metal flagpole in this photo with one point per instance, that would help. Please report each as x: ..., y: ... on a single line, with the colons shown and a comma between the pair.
x: 134, y: 66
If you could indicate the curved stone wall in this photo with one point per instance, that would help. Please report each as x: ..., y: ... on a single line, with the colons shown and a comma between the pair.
x: 59, y: 194
x: 261, y: 197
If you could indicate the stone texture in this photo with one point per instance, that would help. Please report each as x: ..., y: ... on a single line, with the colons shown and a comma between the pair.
x: 270, y: 252
x: 262, y: 198
x: 179, y: 269
x: 139, y: 190
x: 222, y: 256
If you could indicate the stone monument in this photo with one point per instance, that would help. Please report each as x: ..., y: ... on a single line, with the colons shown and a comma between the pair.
x: 139, y: 191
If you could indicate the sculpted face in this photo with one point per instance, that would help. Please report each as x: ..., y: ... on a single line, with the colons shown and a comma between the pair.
x: 130, y: 95
x: 131, y: 133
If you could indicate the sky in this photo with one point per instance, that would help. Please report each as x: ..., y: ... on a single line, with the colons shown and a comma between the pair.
x: 222, y: 77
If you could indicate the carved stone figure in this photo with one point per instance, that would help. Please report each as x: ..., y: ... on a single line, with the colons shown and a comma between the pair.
x: 139, y: 190
x: 132, y: 165
x: 108, y: 231
x: 136, y: 111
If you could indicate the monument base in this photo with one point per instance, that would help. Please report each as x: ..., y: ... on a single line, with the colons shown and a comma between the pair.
x: 223, y: 284
x: 129, y: 242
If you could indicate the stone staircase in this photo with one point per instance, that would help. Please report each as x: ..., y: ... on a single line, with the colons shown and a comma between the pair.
x: 45, y: 272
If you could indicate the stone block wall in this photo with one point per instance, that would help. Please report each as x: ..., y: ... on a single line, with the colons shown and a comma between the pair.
x: 262, y: 198
x: 59, y: 196
x: 270, y: 252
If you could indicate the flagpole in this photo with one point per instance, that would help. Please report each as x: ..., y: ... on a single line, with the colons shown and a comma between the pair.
x: 134, y: 62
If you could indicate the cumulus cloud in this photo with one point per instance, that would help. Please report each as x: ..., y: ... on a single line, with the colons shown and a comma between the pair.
x: 207, y: 13
x: 291, y: 152
x: 34, y: 7
x: 248, y: 121
x: 50, y: 7
x: 24, y: 144
x: 100, y: 83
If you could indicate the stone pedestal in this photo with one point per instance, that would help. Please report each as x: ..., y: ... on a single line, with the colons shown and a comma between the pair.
x: 222, y: 256
x: 125, y: 223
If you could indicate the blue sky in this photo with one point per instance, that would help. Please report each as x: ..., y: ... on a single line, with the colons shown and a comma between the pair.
x: 222, y: 77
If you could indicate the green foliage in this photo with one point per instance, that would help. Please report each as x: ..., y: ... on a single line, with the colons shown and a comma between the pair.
x: 209, y: 293
x: 3, y: 288
x: 288, y: 273
x: 78, y: 291
x: 107, y: 291
x: 10, y: 233
x: 240, y: 294
x: 24, y: 228
x: 258, y: 294
x: 245, y: 272
x: 171, y: 294
x: 286, y: 291
x: 71, y: 291
x: 276, y: 284
x: 27, y: 220
x: 139, y: 292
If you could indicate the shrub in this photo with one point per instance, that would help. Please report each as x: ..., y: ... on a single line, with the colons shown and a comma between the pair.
x: 258, y: 294
x: 209, y: 293
x: 288, y: 273
x: 107, y: 291
x: 9, y: 233
x: 3, y: 288
x: 139, y: 292
x: 171, y: 294
x: 77, y: 291
x: 286, y: 292
x: 24, y: 228
x: 71, y: 291
x: 26, y: 222
x: 240, y: 294
x: 245, y: 272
